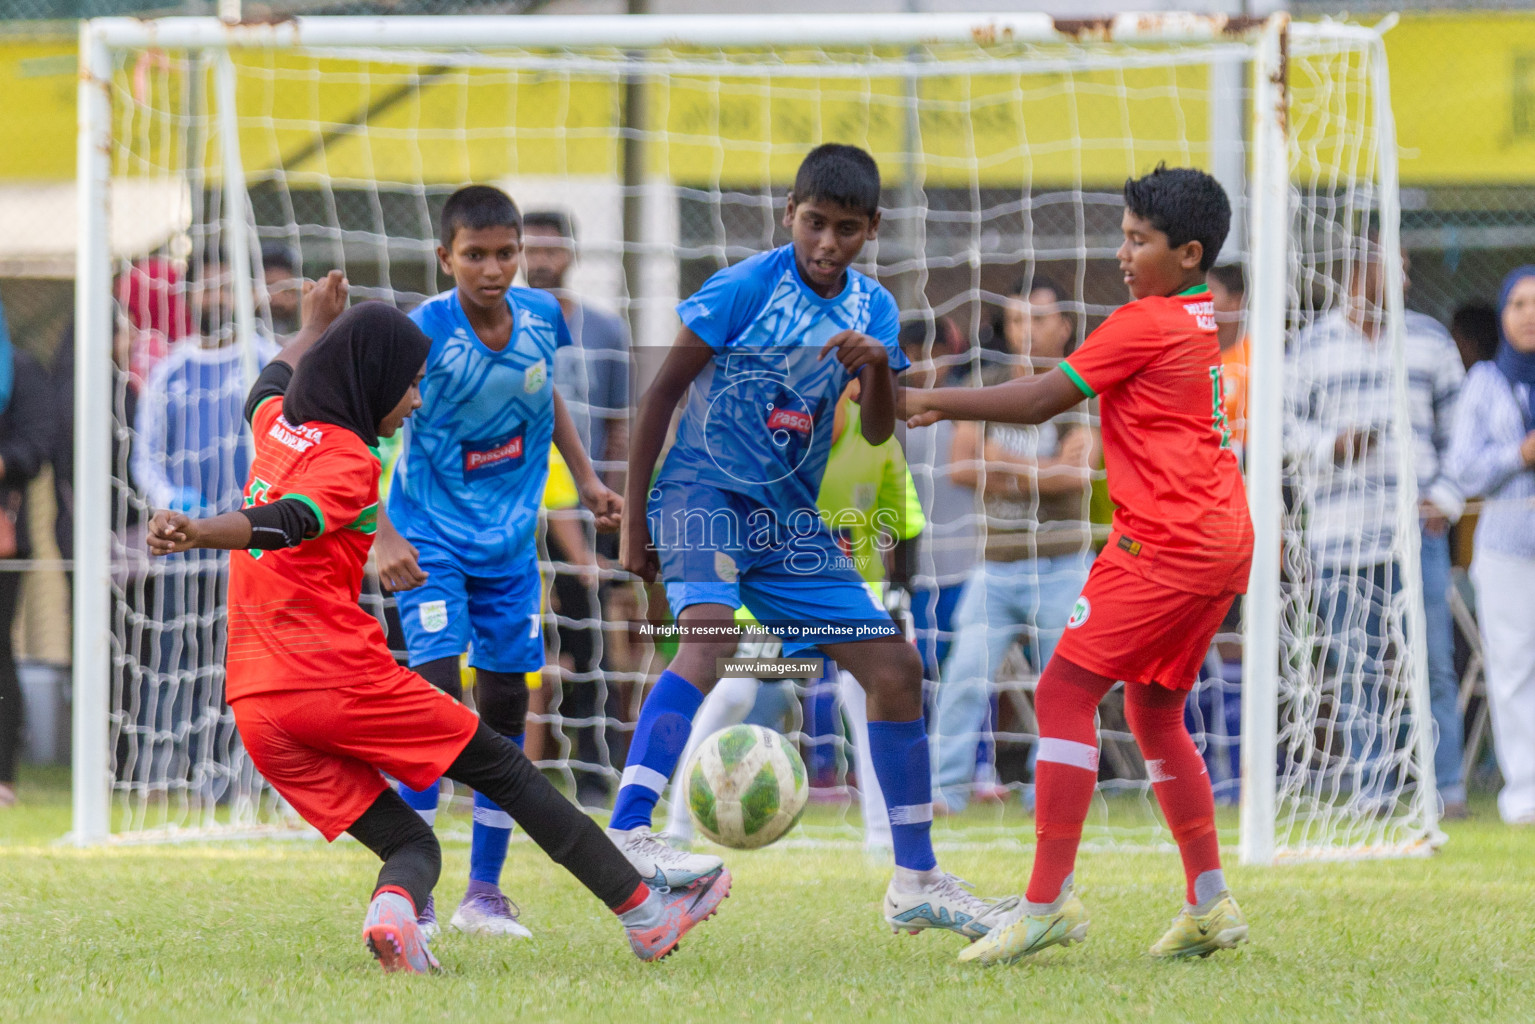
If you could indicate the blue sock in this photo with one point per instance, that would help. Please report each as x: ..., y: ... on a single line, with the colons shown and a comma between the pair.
x: 488, y: 837
x: 422, y: 801
x: 660, y: 737
x: 898, y: 751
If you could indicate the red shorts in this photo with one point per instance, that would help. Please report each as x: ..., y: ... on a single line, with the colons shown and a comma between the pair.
x: 1128, y: 627
x: 323, y: 750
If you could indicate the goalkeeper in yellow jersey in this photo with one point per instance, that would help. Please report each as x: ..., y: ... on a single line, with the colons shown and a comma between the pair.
x: 870, y: 502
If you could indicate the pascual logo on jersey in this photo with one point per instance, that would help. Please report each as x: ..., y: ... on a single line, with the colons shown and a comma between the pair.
x: 533, y: 377
x: 1079, y: 613
x: 510, y: 449
x: 300, y: 439
x: 501, y: 453
x: 791, y: 419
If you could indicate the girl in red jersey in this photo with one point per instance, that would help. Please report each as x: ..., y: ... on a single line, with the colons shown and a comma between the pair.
x: 1176, y: 559
x: 320, y: 703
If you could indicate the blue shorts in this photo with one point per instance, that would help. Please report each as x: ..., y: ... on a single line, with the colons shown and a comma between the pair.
x: 496, y: 618
x: 719, y: 547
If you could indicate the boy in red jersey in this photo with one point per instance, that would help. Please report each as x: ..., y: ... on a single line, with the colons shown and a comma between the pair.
x: 1176, y: 559
x: 318, y: 699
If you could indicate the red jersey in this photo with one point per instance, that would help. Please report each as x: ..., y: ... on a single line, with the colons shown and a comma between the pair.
x: 294, y: 618
x: 1182, y: 519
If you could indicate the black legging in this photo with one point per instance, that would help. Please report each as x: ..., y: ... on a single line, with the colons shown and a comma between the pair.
x: 501, y: 698
x: 494, y: 766
x: 10, y: 688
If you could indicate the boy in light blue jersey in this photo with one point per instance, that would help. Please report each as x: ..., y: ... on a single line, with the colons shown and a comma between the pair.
x: 458, y: 542
x: 766, y: 349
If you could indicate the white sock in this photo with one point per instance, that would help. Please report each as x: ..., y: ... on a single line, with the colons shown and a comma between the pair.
x: 727, y: 704
x: 1036, y: 909
x: 1209, y: 886
x: 646, y: 915
x: 912, y: 880
x: 871, y: 800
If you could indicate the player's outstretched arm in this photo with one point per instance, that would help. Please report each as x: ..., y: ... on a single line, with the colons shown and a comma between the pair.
x: 172, y: 532
x: 1026, y: 400
x: 688, y: 356
x: 323, y: 301
x: 598, y: 499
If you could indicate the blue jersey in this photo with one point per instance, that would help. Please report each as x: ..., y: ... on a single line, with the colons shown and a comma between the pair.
x: 476, y: 453
x: 758, y: 420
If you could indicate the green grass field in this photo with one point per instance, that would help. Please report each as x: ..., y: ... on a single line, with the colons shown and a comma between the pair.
x: 269, y: 932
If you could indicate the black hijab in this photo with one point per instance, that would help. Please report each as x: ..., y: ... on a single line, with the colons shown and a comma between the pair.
x: 358, y: 371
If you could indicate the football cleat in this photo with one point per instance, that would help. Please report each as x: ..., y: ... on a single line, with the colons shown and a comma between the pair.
x: 946, y: 904
x: 427, y: 920
x: 394, y: 938
x: 660, y: 866
x: 1027, y: 934
x: 683, y: 909
x: 489, y: 914
x: 1220, y: 927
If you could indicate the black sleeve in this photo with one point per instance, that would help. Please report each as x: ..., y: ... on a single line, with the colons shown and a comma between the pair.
x: 283, y: 523
x: 28, y: 423
x: 272, y: 383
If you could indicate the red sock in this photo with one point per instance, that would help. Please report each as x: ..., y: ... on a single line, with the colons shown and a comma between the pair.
x: 636, y: 898
x: 1177, y: 774
x: 1066, y: 701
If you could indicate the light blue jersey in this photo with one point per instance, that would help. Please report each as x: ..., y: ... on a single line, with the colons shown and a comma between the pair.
x: 758, y: 420
x: 476, y: 453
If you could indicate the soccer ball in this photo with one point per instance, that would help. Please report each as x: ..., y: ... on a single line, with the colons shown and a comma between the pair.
x: 746, y: 787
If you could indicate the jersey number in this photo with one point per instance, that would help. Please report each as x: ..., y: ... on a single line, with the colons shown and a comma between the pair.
x: 1218, y: 408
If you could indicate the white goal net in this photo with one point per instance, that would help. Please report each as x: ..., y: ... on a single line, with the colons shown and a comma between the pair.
x: 1003, y: 143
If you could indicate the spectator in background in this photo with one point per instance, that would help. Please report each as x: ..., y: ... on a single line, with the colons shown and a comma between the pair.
x: 939, y: 359
x: 191, y: 453
x: 1339, y: 410
x: 154, y: 300
x: 284, y: 287
x: 1474, y: 327
x: 1035, y: 486
x: 1492, y: 450
x: 1228, y: 290
x: 26, y: 433
x: 592, y: 376
x: 948, y: 549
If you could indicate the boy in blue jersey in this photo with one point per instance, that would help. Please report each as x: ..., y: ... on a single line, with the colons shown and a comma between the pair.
x: 458, y: 541
x: 766, y: 348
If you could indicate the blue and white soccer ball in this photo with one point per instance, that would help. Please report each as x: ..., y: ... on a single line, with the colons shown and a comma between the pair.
x: 746, y: 787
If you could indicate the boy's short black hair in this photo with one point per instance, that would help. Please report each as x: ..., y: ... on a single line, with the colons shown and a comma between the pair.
x: 1477, y: 324
x: 1185, y: 204
x: 844, y: 175
x: 477, y: 207
x: 277, y: 255
x: 1231, y: 277
x: 557, y: 221
x: 1026, y: 286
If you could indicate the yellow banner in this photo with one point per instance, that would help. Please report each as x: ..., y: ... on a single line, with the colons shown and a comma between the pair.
x: 1463, y: 91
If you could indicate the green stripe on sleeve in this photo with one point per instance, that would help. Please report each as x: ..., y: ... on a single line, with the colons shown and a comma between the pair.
x: 315, y: 508
x: 1076, y: 378
x: 260, y: 405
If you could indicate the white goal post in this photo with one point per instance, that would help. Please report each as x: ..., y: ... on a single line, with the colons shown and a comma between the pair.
x: 1294, y: 118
